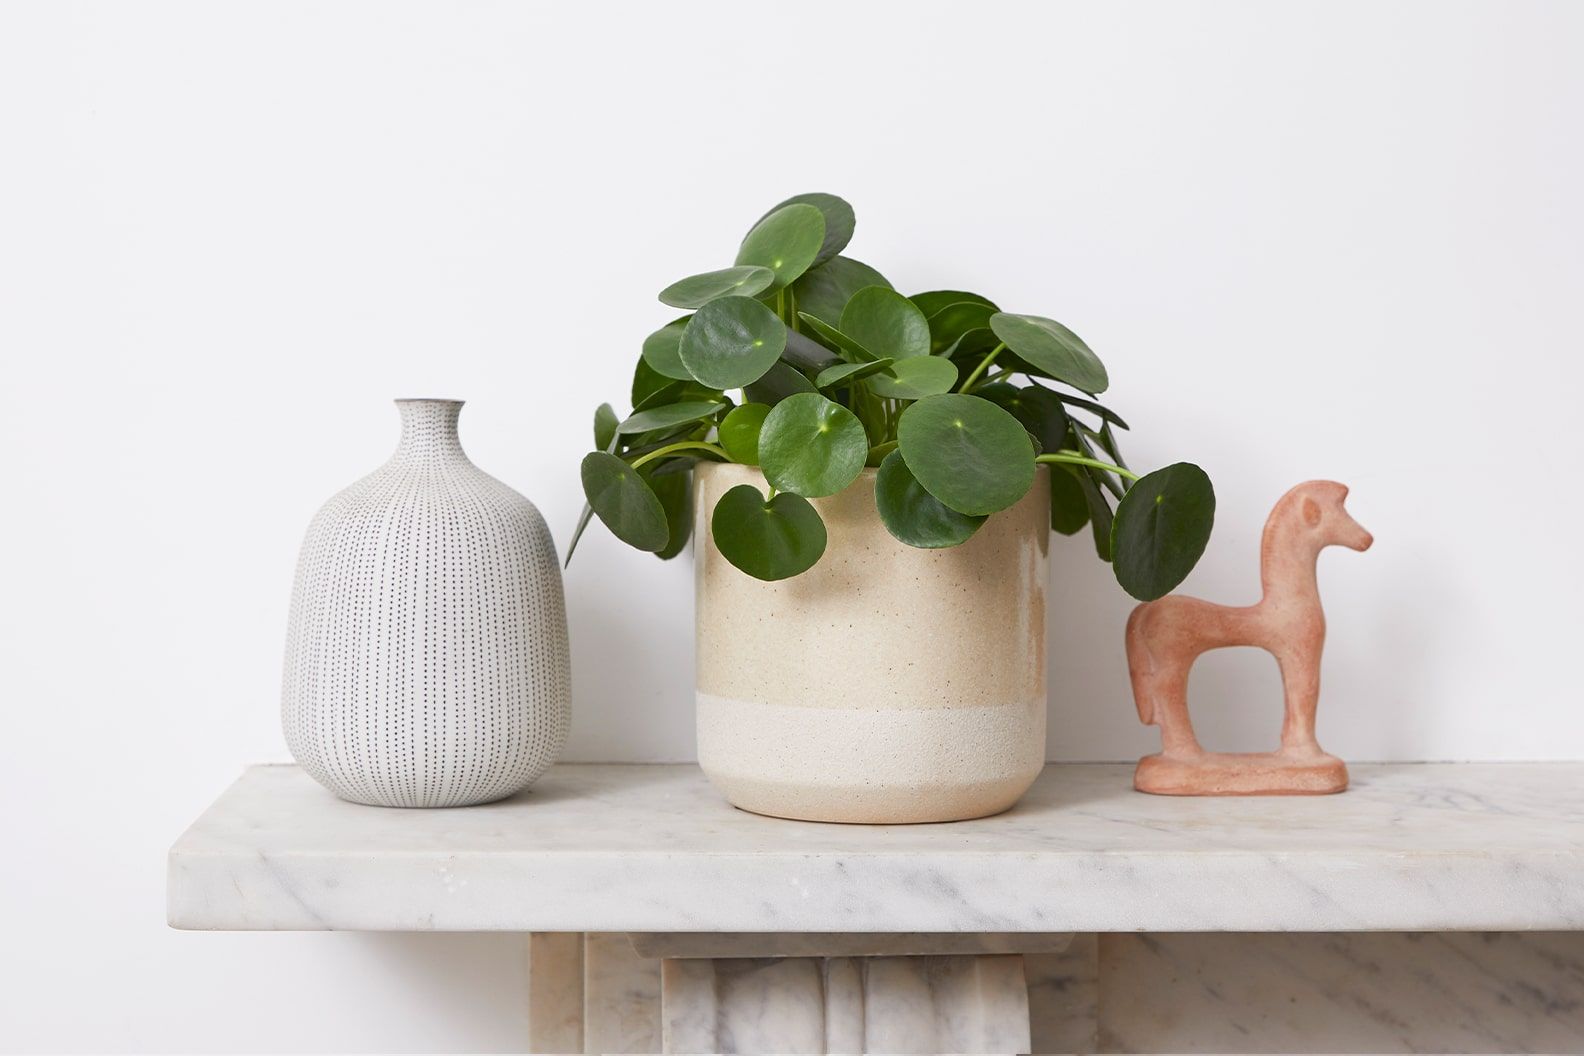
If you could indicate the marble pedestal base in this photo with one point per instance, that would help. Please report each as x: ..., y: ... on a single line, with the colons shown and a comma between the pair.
x: 1231, y: 993
x: 845, y: 1004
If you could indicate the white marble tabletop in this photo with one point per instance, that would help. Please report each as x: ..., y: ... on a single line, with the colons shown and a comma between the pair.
x: 1431, y: 846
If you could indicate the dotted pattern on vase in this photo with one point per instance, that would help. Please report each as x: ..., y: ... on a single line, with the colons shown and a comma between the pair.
x: 427, y: 662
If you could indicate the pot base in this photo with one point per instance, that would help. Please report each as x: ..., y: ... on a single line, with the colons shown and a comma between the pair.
x: 860, y: 805
x: 875, y: 766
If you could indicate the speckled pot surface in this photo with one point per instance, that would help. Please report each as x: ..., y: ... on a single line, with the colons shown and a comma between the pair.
x: 887, y: 684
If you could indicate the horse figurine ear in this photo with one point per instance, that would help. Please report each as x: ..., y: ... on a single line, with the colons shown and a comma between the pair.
x: 1165, y: 637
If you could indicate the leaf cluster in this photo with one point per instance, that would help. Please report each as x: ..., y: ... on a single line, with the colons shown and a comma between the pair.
x: 954, y: 401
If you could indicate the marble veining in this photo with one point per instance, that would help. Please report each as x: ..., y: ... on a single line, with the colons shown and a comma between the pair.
x: 1064, y: 997
x: 1484, y: 846
x: 1450, y: 992
x: 846, y: 1005
x: 621, y: 996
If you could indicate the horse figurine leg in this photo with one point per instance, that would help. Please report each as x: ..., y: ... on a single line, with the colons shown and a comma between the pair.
x: 1160, y: 687
x: 1301, y: 690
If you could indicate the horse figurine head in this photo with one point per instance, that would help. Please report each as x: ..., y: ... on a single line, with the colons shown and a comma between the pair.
x: 1321, y: 511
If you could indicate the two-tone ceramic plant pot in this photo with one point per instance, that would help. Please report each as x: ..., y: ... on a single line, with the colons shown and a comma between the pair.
x: 886, y: 684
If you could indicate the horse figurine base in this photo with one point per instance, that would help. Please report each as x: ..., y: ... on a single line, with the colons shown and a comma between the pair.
x: 1241, y: 774
x: 1166, y: 636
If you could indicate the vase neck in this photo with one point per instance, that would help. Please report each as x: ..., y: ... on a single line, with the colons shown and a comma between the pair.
x: 429, y: 431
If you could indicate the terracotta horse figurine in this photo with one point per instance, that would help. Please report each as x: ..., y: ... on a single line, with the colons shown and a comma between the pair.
x: 1165, y: 637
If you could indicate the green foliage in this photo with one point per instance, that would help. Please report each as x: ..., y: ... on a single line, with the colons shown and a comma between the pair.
x: 731, y: 342
x: 696, y: 291
x: 1161, y: 528
x: 768, y: 539
x: 886, y: 323
x: 967, y: 452
x: 954, y: 400
x: 915, y: 378
x: 812, y: 446
x: 739, y: 432
x: 824, y: 291
x: 915, y: 516
x: 787, y: 241
x: 624, y: 501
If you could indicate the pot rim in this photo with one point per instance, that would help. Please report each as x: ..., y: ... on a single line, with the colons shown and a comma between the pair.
x: 867, y: 471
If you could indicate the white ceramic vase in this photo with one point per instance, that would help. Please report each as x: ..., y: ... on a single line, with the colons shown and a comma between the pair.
x: 427, y: 662
x: 887, y: 683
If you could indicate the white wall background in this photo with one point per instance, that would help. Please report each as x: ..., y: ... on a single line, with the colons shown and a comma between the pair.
x: 1322, y: 239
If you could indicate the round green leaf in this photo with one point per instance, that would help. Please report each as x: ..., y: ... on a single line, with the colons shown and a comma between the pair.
x: 739, y: 432
x: 1069, y: 507
x: 934, y: 300
x: 1108, y: 442
x: 948, y: 326
x: 967, y: 452
x: 850, y: 348
x: 668, y: 392
x: 624, y: 501
x: 912, y: 514
x: 768, y: 540
x: 668, y: 416
x: 662, y: 350
x: 878, y: 452
x: 675, y: 492
x: 1088, y: 405
x: 886, y: 323
x: 646, y: 382
x: 1050, y: 347
x: 1040, y: 411
x: 604, y: 426
x: 696, y: 291
x: 732, y: 341
x: 916, y: 378
x: 824, y: 291
x: 972, y: 345
x: 787, y: 241
x: 839, y: 221
x: 779, y: 382
x: 1161, y: 528
x: 577, y: 533
x: 812, y: 446
x: 849, y: 372
x: 1100, y: 516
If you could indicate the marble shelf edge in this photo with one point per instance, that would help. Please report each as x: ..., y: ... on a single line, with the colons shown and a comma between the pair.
x: 218, y: 880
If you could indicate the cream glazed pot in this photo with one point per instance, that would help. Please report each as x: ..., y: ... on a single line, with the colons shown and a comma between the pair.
x: 887, y: 684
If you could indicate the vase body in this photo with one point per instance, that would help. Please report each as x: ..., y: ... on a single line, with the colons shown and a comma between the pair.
x: 427, y: 662
x: 887, y: 684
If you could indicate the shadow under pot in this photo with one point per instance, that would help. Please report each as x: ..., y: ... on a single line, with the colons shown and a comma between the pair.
x: 887, y: 684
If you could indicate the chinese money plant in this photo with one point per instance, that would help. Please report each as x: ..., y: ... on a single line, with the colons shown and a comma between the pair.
x: 809, y: 365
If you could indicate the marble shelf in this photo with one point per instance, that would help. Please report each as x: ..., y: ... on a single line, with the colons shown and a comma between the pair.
x: 652, y: 848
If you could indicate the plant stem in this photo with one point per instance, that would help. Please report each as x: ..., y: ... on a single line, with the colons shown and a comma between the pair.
x: 998, y: 375
x: 967, y: 385
x: 1073, y: 458
x: 685, y: 445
